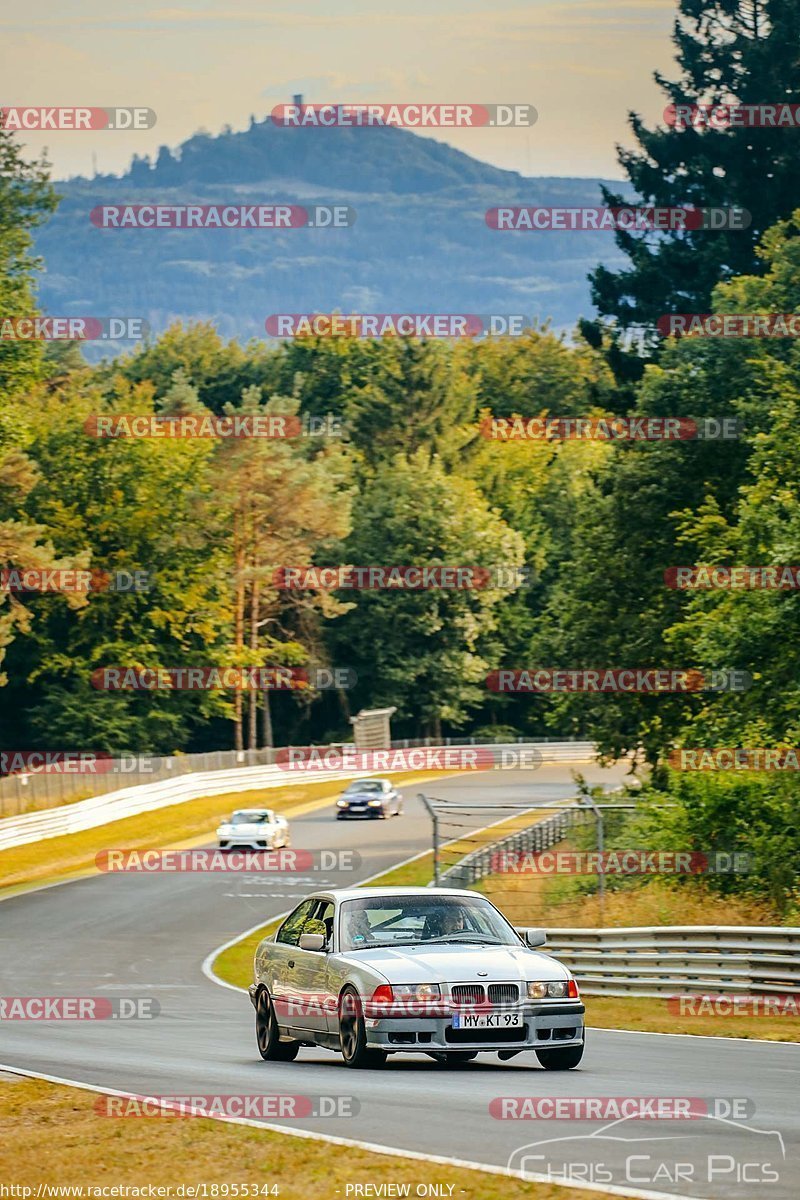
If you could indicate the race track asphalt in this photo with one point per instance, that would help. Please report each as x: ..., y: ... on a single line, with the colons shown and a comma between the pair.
x: 147, y: 936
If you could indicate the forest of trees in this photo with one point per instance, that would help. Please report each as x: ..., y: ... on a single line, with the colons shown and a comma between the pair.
x: 408, y: 478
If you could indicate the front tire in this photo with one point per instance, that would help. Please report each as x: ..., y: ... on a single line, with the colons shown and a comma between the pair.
x: 270, y: 1046
x: 563, y: 1059
x: 353, y: 1034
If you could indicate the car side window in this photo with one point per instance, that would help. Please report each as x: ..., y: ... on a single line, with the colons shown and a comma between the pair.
x: 321, y: 921
x: 292, y: 927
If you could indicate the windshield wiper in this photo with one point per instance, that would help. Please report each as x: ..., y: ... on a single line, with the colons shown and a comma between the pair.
x: 477, y: 938
x: 378, y: 945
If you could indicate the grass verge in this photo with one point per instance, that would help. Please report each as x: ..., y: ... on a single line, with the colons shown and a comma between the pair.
x: 59, y: 857
x: 53, y: 1136
x: 653, y: 904
x: 652, y: 1016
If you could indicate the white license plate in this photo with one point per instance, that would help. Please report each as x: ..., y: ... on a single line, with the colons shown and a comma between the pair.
x: 505, y: 1020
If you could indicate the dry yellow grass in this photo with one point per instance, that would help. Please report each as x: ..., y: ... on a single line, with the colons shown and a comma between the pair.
x: 658, y: 903
x: 653, y: 1016
x: 537, y: 899
x: 52, y: 1135
x: 74, y: 853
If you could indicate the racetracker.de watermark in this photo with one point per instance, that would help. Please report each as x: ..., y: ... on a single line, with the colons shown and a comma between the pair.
x: 634, y: 680
x: 79, y: 118
x: 257, y: 862
x: 777, y: 1005
x: 609, y: 429
x: 616, y: 1108
x: 73, y: 329
x: 240, y: 679
x: 75, y: 762
x: 619, y: 862
x: 774, y: 115
x: 735, y: 758
x: 730, y: 325
x: 396, y: 578
x: 73, y: 580
x: 420, y: 758
x: 407, y: 115
x: 223, y: 216
x: 778, y: 578
x: 533, y: 219
x: 377, y: 325
x: 209, y: 425
x: 78, y: 1008
x: 285, y: 1106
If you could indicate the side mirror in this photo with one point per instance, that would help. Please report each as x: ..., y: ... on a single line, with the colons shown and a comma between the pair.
x: 312, y: 941
x: 534, y: 937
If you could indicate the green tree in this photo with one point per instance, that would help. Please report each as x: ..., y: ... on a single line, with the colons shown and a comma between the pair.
x: 283, y: 498
x: 415, y: 394
x: 139, y: 505
x: 428, y: 651
x: 26, y: 199
x: 728, y: 51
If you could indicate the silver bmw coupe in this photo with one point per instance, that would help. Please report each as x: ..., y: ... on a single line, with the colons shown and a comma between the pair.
x: 369, y: 972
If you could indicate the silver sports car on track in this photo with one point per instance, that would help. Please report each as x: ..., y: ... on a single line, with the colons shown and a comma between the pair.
x: 258, y: 828
x: 376, y: 971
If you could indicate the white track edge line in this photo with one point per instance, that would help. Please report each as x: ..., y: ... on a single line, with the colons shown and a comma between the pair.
x: 710, y: 1037
x: 207, y: 968
x: 207, y: 965
x: 371, y: 1147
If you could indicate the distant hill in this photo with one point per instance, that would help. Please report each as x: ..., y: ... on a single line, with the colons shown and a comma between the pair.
x: 420, y: 242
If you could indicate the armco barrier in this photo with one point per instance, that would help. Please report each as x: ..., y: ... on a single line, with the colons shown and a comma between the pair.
x: 21, y: 793
x: 666, y: 960
x: 655, y: 960
x: 130, y: 801
x: 541, y: 836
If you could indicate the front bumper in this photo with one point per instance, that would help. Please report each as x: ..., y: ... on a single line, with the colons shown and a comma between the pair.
x: 543, y: 1026
x: 236, y: 843
x: 360, y: 812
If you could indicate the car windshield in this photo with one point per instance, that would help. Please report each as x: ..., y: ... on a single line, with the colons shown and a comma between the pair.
x: 249, y: 816
x: 369, y: 785
x: 422, y: 921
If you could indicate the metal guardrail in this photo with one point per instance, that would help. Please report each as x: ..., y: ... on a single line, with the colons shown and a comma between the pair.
x: 665, y: 960
x: 165, y: 791
x: 129, y: 802
x: 545, y: 833
x: 21, y: 793
x: 651, y: 960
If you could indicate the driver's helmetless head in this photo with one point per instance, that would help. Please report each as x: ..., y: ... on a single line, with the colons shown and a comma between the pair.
x: 358, y: 927
x: 452, y: 920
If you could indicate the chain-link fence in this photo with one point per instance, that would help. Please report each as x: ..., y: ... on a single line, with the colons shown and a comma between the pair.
x: 536, y: 862
x: 69, y: 781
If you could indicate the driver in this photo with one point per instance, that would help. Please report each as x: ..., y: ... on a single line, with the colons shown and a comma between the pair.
x: 358, y: 928
x: 449, y: 919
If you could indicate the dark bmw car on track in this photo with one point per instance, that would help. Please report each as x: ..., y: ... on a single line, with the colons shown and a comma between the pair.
x: 369, y: 798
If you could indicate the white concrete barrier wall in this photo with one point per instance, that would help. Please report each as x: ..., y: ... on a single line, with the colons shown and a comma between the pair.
x: 129, y: 802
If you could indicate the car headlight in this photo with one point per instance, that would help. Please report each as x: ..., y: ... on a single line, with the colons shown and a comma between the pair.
x: 422, y: 991
x: 342, y: 803
x: 555, y: 990
x: 374, y: 803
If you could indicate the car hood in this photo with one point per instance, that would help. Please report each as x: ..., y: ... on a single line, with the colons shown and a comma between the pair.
x: 459, y: 964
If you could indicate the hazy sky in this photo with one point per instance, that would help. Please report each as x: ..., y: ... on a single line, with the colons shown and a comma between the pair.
x: 582, y: 63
